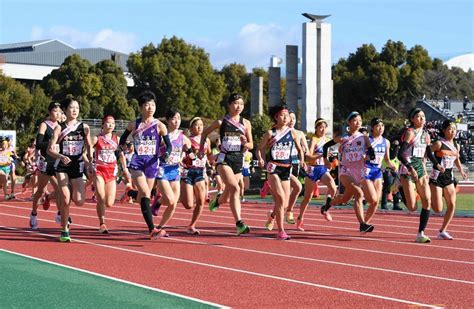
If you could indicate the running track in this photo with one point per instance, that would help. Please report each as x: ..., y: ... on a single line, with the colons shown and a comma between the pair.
x: 329, y: 265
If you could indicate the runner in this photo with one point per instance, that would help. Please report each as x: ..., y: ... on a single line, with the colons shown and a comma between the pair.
x: 279, y: 140
x: 46, y: 169
x: 295, y: 183
x: 236, y: 136
x: 374, y: 174
x: 246, y: 172
x: 413, y: 149
x: 12, y: 167
x: 317, y: 171
x: 74, y: 142
x: 147, y: 133
x: 29, y: 162
x: 442, y: 183
x: 352, y: 171
x: 5, y: 166
x: 193, y: 183
x: 105, y: 163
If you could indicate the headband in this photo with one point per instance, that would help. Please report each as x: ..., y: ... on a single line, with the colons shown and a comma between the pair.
x: 352, y: 115
x: 414, y: 112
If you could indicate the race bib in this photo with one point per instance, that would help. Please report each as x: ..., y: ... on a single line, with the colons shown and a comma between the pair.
x: 271, y: 167
x: 73, y: 148
x: 231, y: 143
x: 419, y: 150
x: 434, y: 174
x: 174, y: 158
x: 42, y: 165
x: 281, y: 152
x: 146, y: 148
x: 161, y: 172
x: 107, y: 156
x: 199, y: 163
x: 220, y: 157
x: 448, y: 162
x: 352, y: 156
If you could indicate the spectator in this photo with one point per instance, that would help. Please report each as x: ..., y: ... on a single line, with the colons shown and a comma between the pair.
x: 447, y: 103
x: 465, y: 101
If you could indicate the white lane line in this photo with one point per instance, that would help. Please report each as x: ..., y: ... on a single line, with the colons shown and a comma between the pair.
x: 298, y: 257
x: 359, y: 238
x: 116, y: 279
x: 398, y: 300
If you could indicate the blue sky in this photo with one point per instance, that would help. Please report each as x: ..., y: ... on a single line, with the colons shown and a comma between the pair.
x: 245, y: 31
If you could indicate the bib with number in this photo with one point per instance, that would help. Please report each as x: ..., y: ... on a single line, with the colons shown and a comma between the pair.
x: 107, y: 156
x: 146, y: 147
x: 281, y: 152
x: 231, y: 143
x: 73, y: 148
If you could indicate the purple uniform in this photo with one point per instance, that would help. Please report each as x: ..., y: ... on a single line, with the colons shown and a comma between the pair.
x: 146, y: 140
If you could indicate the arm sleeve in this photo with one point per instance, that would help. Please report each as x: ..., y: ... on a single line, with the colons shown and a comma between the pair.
x: 431, y: 157
x: 327, y: 146
x: 400, y: 155
x: 169, y: 147
x: 371, y: 153
x: 40, y: 143
x: 123, y: 138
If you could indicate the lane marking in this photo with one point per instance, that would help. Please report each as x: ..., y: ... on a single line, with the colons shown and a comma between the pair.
x: 244, y: 272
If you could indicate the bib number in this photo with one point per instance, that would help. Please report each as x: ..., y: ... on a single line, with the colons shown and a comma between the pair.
x: 106, y: 156
x: 220, y: 157
x: 146, y: 148
x: 281, y: 152
x: 73, y: 148
x: 231, y: 143
x: 42, y: 165
x: 271, y: 167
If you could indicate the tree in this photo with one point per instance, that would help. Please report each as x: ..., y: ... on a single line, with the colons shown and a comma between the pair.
x: 384, y: 82
x: 394, y: 53
x: 260, y: 125
x: 112, y: 99
x: 236, y: 79
x: 181, y: 76
x: 73, y: 79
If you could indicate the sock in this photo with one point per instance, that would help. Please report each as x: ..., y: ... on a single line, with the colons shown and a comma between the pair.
x: 424, y: 217
x: 34, y: 214
x: 327, y: 205
x: 146, y: 211
x: 132, y: 193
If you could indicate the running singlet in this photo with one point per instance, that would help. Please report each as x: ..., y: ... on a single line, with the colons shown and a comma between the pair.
x: 146, y: 138
x: 5, y: 157
x: 380, y: 148
x: 281, y: 145
x: 353, y: 149
x: 195, y: 163
x: 318, y: 149
x: 105, y: 149
x: 415, y: 152
x: 47, y: 137
x: 446, y: 157
x: 177, y: 141
x: 230, y: 132
x: 71, y: 141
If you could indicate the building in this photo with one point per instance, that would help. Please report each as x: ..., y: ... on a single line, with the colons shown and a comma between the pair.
x: 30, y: 62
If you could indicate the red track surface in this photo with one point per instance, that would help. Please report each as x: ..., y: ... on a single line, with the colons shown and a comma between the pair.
x: 329, y: 265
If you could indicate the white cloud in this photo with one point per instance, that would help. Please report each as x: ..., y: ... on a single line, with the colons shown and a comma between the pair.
x: 253, y: 46
x: 106, y: 38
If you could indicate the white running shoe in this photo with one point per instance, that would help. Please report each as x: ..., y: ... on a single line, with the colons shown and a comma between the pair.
x: 444, y: 235
x: 33, y: 222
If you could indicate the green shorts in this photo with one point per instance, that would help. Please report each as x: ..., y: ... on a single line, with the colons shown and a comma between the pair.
x: 6, y: 169
x: 419, y: 167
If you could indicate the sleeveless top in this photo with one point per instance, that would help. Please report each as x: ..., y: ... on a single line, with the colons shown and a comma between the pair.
x: 195, y: 163
x: 5, y: 157
x: 230, y: 132
x: 352, y: 149
x: 47, y: 137
x: 281, y: 145
x: 318, y: 149
x: 105, y: 149
x: 380, y: 148
x: 177, y: 142
x: 71, y: 141
x: 417, y: 146
x: 146, y: 139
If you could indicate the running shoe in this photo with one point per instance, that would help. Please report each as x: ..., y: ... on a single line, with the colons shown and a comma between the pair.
x: 289, y: 217
x: 155, y: 207
x: 46, y: 203
x: 12, y: 195
x: 214, y: 204
x: 282, y: 235
x: 366, y: 228
x: 445, y: 235
x: 299, y: 225
x: 192, y: 231
x: 270, y: 221
x: 325, y: 212
x: 57, y: 218
x: 242, y: 229
x: 422, y: 239
x: 156, y: 233
x: 33, y: 222
x: 7, y: 197
x: 65, y: 237
x: 103, y: 229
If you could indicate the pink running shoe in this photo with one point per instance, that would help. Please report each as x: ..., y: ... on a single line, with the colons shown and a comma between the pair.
x: 283, y: 236
x: 327, y: 216
x: 299, y: 225
x: 264, y: 189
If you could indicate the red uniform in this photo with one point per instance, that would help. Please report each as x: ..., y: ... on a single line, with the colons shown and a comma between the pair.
x: 105, y: 159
